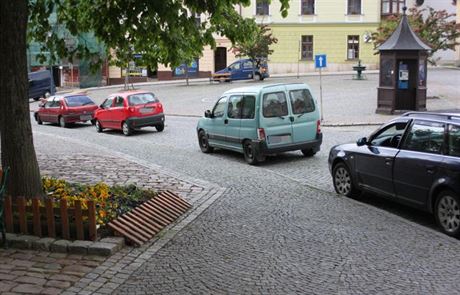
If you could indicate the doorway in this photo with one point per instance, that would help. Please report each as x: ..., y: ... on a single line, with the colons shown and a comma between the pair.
x: 220, y: 58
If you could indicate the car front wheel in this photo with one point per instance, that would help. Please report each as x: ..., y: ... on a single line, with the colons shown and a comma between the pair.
x: 126, y: 129
x: 98, y: 126
x: 204, y: 143
x: 447, y: 213
x: 343, y: 183
x: 62, y: 122
x: 37, y: 118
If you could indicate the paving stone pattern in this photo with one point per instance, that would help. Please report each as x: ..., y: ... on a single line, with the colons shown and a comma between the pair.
x: 36, y: 272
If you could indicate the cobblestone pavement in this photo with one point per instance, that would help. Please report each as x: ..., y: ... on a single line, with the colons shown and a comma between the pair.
x: 34, y: 272
x: 28, y: 271
x: 278, y: 228
x: 346, y: 101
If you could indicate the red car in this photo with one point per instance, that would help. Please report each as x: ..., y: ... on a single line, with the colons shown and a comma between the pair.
x: 130, y: 110
x: 65, y: 109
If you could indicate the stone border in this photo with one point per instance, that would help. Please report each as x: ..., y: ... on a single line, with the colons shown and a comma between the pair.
x: 104, y: 247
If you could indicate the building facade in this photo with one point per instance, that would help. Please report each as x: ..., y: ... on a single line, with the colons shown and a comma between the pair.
x: 341, y: 29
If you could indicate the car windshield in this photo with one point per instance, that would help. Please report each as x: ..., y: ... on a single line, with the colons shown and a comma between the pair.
x: 141, y: 98
x: 78, y: 101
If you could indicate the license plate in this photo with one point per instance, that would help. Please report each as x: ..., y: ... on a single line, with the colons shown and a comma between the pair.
x: 86, y: 117
x: 146, y: 110
x: 279, y: 139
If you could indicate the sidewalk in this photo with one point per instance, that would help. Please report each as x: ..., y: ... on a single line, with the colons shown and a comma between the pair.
x: 37, y: 272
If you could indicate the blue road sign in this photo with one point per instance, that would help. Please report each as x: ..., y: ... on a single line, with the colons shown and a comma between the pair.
x: 320, y: 61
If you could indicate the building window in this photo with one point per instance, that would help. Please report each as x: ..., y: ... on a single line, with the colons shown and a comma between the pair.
x: 261, y: 7
x: 354, y: 6
x: 353, y: 47
x: 308, y: 7
x: 307, y: 47
x: 392, y: 6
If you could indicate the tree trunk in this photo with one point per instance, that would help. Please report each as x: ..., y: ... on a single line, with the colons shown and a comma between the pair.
x: 17, y: 147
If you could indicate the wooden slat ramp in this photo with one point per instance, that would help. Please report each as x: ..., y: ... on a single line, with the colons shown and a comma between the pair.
x: 143, y: 222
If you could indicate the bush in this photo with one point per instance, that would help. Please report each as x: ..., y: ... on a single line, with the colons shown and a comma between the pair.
x: 111, y: 202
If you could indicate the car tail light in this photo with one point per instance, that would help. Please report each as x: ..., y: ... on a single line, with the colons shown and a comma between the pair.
x: 160, y: 108
x: 261, y: 133
x: 318, y: 127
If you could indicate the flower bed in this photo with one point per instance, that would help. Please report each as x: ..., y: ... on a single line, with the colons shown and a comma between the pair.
x: 111, y: 201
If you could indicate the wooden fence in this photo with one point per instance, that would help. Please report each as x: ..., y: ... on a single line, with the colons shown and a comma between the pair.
x: 43, y: 218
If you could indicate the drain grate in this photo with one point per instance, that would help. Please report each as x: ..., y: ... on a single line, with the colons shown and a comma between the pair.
x: 145, y: 221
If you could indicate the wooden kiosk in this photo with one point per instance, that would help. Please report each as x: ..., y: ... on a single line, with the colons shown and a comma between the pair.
x: 403, y: 71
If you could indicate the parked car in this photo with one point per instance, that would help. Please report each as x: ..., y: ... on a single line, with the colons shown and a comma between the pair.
x: 66, y: 109
x: 130, y: 110
x: 41, y: 84
x: 414, y: 160
x: 241, y: 70
x: 262, y: 120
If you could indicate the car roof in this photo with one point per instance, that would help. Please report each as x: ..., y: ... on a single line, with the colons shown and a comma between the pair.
x: 258, y: 88
x: 129, y: 92
x: 434, y: 116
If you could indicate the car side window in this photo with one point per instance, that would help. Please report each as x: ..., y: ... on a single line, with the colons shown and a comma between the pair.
x: 302, y: 101
x: 247, y: 65
x: 118, y: 101
x: 390, y: 136
x: 454, y: 140
x: 249, y: 107
x: 235, y: 104
x: 108, y: 103
x: 425, y: 137
x: 274, y: 105
x: 235, y: 66
x: 219, y: 108
x: 49, y: 104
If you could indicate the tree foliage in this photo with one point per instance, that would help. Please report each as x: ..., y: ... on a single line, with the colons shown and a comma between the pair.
x: 437, y: 29
x: 256, y: 45
x: 165, y: 32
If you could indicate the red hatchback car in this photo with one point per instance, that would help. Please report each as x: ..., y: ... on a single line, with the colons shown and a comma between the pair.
x: 65, y: 109
x: 130, y: 110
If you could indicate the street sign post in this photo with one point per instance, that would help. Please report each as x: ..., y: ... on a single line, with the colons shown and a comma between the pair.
x: 321, y: 62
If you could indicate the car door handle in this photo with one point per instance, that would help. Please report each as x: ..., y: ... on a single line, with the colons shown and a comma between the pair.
x: 388, y: 161
x: 291, y: 118
x: 226, y: 121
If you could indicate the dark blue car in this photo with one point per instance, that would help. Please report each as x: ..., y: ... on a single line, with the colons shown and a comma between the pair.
x: 41, y: 84
x: 241, y: 70
x: 414, y: 159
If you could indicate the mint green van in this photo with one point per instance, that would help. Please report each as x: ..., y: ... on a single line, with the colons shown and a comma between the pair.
x: 263, y: 120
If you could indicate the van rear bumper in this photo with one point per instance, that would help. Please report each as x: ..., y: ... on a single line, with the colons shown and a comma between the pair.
x: 313, y: 144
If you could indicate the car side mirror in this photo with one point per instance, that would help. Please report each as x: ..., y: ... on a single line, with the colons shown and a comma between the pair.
x: 101, y: 106
x: 362, y: 141
x: 208, y: 114
x: 229, y: 68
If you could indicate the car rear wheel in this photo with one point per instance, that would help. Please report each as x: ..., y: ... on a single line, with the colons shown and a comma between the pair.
x: 98, y: 126
x: 126, y: 129
x: 204, y: 143
x: 251, y: 155
x: 62, y: 122
x: 46, y: 94
x: 258, y: 77
x: 343, y: 183
x: 308, y: 152
x: 160, y: 127
x: 37, y: 118
x: 447, y: 213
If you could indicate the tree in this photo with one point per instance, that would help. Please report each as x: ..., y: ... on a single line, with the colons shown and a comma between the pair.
x: 256, y: 45
x: 437, y: 29
x: 163, y: 31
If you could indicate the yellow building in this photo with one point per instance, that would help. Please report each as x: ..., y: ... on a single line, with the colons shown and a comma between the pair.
x: 341, y: 29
